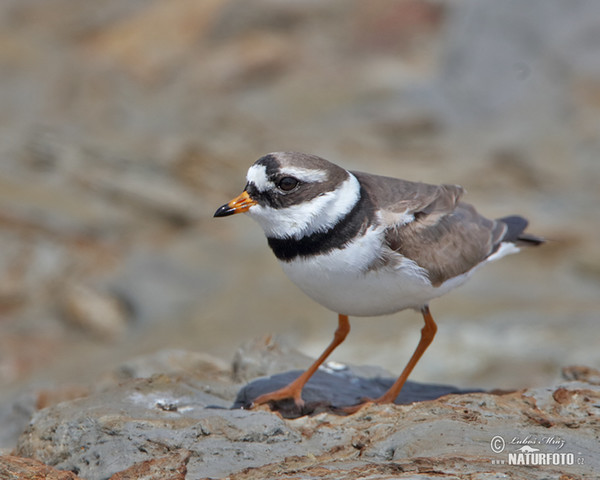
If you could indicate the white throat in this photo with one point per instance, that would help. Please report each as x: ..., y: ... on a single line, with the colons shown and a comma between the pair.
x: 317, y: 215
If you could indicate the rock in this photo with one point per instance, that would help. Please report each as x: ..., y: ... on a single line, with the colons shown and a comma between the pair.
x: 147, y: 418
x: 331, y: 389
x: 170, y: 424
x: 52, y: 396
x: 169, y: 467
x: 200, y: 364
x: 18, y: 405
x: 17, y: 468
x: 266, y: 356
x: 215, y: 374
x: 584, y: 374
x: 16, y: 409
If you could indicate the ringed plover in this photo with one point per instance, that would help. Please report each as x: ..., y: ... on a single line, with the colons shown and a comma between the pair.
x: 365, y: 245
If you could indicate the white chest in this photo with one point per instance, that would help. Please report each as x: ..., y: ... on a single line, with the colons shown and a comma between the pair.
x: 344, y: 282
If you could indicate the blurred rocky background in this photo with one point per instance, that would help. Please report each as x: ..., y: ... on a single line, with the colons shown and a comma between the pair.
x: 125, y: 124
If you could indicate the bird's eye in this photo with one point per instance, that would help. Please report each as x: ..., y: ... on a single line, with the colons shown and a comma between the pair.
x: 287, y: 184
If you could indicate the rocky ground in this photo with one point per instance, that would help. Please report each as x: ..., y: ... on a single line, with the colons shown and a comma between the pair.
x: 124, y: 125
x: 177, y: 423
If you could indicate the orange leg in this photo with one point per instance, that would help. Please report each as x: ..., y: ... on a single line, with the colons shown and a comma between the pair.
x: 427, y: 334
x: 294, y: 389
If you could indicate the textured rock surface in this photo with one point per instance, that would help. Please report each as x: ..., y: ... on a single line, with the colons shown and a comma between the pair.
x: 17, y: 468
x: 331, y: 389
x: 181, y: 423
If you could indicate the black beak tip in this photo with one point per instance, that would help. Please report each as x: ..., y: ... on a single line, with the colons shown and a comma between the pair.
x: 224, y: 211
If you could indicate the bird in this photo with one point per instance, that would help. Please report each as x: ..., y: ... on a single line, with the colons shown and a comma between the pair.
x: 364, y: 245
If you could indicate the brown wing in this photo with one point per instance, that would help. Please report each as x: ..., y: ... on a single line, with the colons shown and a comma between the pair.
x: 399, y: 196
x: 447, y: 244
x: 447, y: 237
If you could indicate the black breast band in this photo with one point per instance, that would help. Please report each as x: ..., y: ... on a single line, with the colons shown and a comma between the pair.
x: 338, y: 236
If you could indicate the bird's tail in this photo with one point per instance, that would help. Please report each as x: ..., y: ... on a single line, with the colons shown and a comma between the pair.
x: 515, y: 232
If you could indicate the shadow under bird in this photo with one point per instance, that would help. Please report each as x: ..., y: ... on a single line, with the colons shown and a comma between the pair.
x: 366, y: 245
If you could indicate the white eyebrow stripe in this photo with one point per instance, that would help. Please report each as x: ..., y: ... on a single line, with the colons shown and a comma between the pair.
x: 305, y: 174
x: 257, y: 175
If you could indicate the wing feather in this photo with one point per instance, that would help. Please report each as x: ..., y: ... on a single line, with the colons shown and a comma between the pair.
x: 398, y: 196
x: 431, y: 226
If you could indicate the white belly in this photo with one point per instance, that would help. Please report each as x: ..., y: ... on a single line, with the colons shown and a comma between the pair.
x: 342, y: 281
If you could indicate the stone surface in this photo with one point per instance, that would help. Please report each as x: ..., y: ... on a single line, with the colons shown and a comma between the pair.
x: 331, y: 389
x: 174, y: 424
x: 169, y: 467
x: 18, y: 468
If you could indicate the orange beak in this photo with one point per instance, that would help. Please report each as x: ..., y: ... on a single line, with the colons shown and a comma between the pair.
x: 239, y: 204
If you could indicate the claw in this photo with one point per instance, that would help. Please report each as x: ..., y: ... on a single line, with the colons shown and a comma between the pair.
x: 281, y: 394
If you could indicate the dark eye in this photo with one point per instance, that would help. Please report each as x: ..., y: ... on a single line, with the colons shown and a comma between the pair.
x: 287, y: 183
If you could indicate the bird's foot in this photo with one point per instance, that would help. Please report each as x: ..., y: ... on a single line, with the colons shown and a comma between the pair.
x: 286, y: 393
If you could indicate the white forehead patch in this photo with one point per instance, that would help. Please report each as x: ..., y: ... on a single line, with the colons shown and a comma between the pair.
x: 257, y: 175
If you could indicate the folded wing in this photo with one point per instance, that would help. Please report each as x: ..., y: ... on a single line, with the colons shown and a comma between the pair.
x: 431, y: 226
